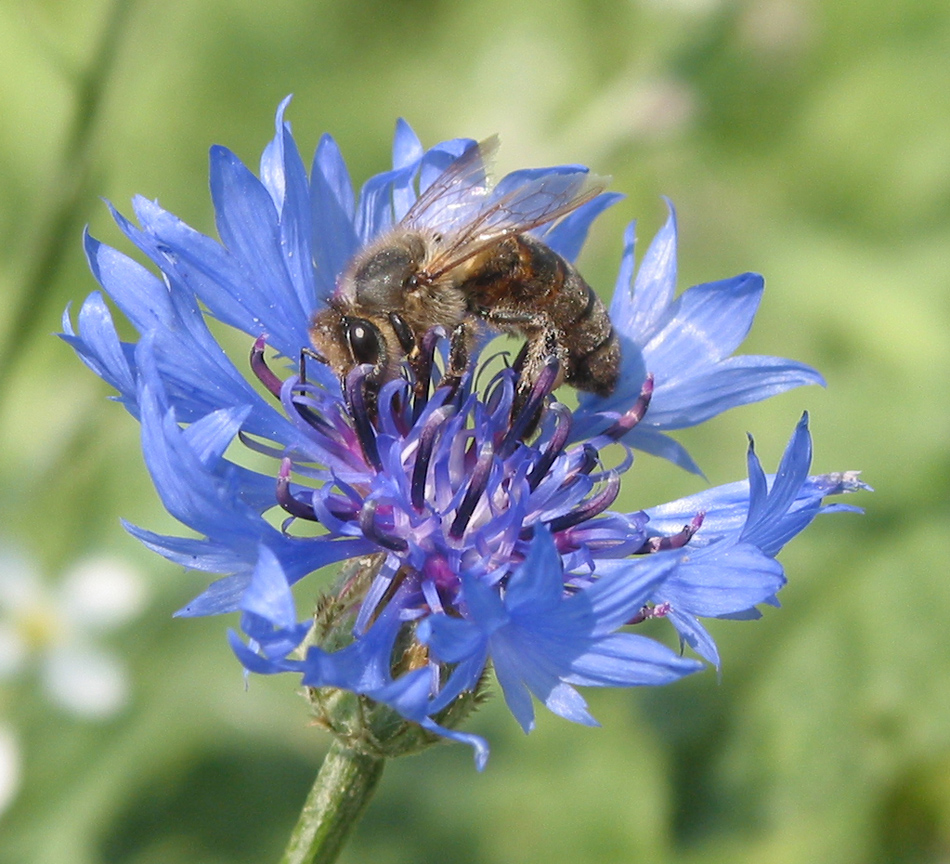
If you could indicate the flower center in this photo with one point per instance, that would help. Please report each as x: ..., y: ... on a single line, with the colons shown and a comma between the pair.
x: 445, y: 480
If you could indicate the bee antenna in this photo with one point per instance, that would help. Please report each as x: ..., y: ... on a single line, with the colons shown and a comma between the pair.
x: 313, y: 355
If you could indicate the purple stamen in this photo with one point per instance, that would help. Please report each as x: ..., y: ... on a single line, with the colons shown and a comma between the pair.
x: 660, y: 610
x: 590, y: 508
x: 299, y: 392
x: 285, y: 498
x: 675, y: 541
x: 372, y: 532
x: 422, y: 370
x: 453, y: 385
x: 426, y: 441
x: 439, y: 572
x: 632, y: 417
x: 431, y: 592
x: 355, y: 393
x: 261, y: 369
x: 590, y: 459
x: 476, y: 488
x: 257, y: 446
x: 310, y: 417
x: 558, y: 439
x: 484, y: 364
x: 528, y: 414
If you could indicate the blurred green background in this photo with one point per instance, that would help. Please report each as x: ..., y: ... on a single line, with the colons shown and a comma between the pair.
x: 809, y: 141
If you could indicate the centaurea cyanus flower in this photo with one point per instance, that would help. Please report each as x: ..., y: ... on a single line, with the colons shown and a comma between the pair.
x: 478, y: 532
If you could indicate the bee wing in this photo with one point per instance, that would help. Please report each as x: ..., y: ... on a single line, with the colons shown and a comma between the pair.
x: 458, y: 193
x: 534, y: 202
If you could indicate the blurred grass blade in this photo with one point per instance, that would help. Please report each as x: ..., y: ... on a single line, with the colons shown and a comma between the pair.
x: 67, y: 194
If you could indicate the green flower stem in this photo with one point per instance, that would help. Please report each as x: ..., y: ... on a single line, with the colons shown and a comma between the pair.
x: 346, y: 782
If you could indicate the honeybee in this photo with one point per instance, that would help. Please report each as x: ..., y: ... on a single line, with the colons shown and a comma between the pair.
x: 461, y: 258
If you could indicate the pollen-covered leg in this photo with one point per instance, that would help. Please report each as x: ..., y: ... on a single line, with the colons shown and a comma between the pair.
x: 526, y: 415
x: 535, y: 358
x: 459, y: 353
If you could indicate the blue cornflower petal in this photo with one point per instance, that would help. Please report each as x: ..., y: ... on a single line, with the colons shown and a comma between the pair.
x: 726, y: 507
x: 722, y: 579
x: 567, y: 236
x: 247, y: 222
x: 692, y: 633
x: 209, y: 500
x: 177, y: 471
x: 456, y: 639
x: 374, y: 213
x: 472, y: 657
x: 141, y: 296
x: 731, y: 566
x: 407, y: 148
x: 439, y: 157
x: 770, y: 505
x: 285, y: 177
x: 629, y: 660
x: 268, y: 594
x: 269, y: 616
x: 221, y: 596
x: 407, y: 153
x: 210, y: 436
x: 333, y: 209
x: 204, y: 555
x: 702, y: 326
x: 409, y: 695
x: 199, y: 264
x: 541, y: 641
x: 362, y: 666
x: 657, y: 444
x: 536, y: 587
x: 654, y: 284
x: 199, y: 377
x: 735, y: 381
x: 685, y: 344
x: 98, y: 346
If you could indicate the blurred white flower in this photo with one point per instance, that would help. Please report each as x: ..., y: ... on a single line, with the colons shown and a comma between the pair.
x: 776, y: 29
x: 635, y: 108
x: 10, y: 766
x: 55, y: 628
x: 690, y: 7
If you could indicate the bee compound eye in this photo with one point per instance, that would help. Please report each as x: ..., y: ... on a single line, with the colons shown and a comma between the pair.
x: 364, y: 340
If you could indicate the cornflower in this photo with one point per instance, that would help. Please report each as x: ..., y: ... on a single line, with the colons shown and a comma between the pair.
x: 476, y: 529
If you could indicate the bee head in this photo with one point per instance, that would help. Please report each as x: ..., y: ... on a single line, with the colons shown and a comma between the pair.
x: 381, y: 275
x: 348, y: 340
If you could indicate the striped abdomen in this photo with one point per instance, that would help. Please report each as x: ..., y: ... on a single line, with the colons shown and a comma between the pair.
x: 523, y: 286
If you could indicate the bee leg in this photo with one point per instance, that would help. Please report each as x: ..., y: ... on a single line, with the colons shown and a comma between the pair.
x: 407, y: 339
x: 520, y: 360
x: 458, y: 350
x: 514, y: 321
x: 458, y: 356
x: 532, y: 361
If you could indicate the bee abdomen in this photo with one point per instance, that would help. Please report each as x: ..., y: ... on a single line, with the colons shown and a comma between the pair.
x: 593, y: 361
x: 524, y: 285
